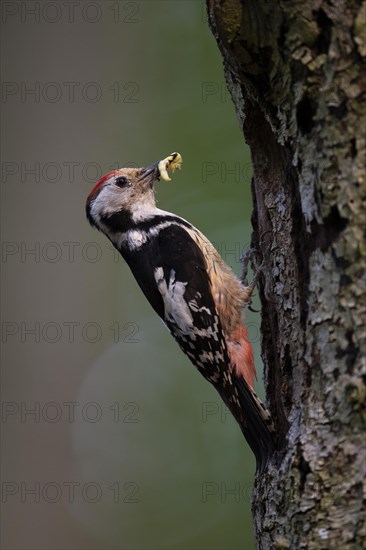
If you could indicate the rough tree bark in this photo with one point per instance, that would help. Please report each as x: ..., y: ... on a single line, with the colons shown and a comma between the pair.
x: 294, y: 70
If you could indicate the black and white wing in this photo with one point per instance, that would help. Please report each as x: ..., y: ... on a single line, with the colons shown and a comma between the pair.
x: 172, y: 272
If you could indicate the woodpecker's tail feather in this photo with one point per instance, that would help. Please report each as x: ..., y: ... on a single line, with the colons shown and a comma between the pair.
x: 255, y: 423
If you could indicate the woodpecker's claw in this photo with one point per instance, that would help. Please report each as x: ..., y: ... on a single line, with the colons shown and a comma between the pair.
x: 246, y: 257
x: 257, y: 274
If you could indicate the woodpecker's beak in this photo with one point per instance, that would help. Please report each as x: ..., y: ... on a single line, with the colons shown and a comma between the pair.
x: 151, y: 172
x: 160, y: 169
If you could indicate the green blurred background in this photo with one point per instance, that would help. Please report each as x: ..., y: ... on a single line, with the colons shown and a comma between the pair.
x: 127, y: 446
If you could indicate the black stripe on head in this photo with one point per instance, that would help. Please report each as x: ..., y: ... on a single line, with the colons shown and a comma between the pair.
x: 88, y: 214
x: 118, y: 222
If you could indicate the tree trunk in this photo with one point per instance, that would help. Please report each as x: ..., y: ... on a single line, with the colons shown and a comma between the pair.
x: 294, y: 70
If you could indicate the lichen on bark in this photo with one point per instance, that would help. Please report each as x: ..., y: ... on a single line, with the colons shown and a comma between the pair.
x: 296, y: 73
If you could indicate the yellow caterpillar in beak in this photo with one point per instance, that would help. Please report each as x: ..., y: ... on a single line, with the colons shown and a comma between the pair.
x: 172, y: 163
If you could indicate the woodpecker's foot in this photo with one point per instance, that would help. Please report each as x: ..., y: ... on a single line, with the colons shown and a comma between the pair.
x: 245, y: 258
x: 250, y: 256
x: 258, y: 270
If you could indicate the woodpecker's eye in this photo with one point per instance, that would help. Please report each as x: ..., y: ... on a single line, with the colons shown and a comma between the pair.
x: 121, y: 181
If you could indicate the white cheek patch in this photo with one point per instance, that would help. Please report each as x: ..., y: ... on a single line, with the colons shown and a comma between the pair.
x: 144, y: 208
x: 107, y: 202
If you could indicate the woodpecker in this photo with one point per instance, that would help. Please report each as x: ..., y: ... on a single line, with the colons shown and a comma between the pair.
x: 187, y: 283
